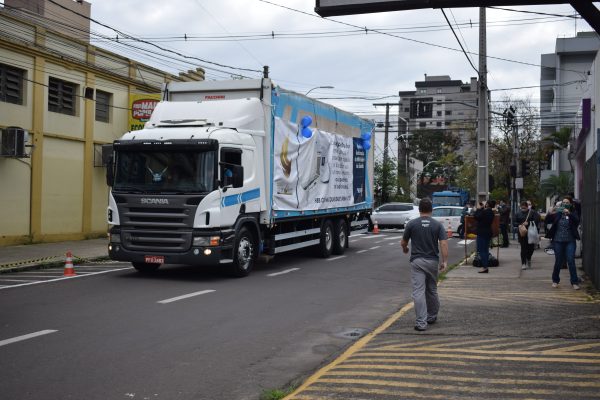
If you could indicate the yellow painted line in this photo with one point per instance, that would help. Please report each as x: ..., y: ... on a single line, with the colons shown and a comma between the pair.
x: 395, y: 394
x: 449, y: 388
x: 490, y: 357
x: 570, y: 349
x: 514, y: 343
x: 475, y: 371
x: 466, y: 379
x: 500, y: 352
x: 443, y: 344
x: 359, y: 358
x: 396, y: 342
x: 351, y: 350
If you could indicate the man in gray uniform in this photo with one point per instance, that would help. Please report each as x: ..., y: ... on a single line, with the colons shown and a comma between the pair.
x: 425, y: 233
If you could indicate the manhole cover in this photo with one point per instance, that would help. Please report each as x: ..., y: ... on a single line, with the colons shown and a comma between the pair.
x: 352, y: 333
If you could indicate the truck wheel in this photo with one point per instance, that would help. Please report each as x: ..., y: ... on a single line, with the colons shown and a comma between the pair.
x: 145, y: 267
x: 327, y: 239
x: 340, y: 236
x: 244, y: 253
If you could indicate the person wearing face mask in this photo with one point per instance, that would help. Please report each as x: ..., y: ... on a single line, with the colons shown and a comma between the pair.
x: 564, y: 233
x: 525, y: 216
x: 484, y: 215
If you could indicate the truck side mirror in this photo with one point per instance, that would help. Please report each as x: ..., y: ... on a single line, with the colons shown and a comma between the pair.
x: 110, y: 172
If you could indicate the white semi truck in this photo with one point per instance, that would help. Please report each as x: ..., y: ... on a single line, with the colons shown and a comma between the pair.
x: 225, y: 171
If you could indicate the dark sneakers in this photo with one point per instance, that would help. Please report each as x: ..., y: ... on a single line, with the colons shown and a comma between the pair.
x: 420, y: 329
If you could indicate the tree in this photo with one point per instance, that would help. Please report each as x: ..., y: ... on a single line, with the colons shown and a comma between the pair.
x: 557, y: 185
x: 384, y: 181
x: 559, y: 140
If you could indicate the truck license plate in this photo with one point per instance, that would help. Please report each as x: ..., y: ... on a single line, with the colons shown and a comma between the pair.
x: 154, y: 259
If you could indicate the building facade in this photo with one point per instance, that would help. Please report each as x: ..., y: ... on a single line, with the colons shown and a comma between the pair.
x: 69, y: 98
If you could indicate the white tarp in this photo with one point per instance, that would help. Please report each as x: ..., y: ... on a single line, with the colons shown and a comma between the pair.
x: 312, y: 173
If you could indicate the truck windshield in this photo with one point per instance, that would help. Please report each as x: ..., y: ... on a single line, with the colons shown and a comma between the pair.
x: 165, y: 171
x: 446, y: 200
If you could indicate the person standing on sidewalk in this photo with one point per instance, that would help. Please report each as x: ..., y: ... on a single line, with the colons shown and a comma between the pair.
x: 526, y: 216
x: 564, y: 233
x: 427, y: 237
x: 484, y: 215
x: 504, y: 211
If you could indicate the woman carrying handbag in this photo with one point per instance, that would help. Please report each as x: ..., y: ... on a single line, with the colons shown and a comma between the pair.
x: 526, y: 217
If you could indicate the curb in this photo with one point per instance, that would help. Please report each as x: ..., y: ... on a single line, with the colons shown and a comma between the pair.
x: 45, y: 263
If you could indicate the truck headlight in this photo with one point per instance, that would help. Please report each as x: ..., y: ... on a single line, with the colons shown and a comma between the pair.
x: 115, y: 238
x: 206, y: 241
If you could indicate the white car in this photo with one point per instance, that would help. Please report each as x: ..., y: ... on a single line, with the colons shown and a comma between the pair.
x: 394, y: 215
x: 448, y: 216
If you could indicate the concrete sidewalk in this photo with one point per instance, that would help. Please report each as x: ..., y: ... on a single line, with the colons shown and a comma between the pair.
x: 503, y: 335
x: 15, y: 258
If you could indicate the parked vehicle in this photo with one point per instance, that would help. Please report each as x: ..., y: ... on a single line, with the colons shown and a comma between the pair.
x: 447, y: 215
x: 394, y: 215
x: 226, y: 171
x: 451, y: 197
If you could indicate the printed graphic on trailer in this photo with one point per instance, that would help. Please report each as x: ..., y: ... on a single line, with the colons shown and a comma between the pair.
x: 316, y: 172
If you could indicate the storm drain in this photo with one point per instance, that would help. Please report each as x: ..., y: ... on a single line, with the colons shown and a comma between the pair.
x: 352, y: 333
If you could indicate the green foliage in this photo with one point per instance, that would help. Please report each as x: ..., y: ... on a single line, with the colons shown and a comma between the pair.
x: 433, y: 144
x: 557, y: 185
x: 385, y: 181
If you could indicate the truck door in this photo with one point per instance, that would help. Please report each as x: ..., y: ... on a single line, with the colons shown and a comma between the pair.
x: 231, y: 176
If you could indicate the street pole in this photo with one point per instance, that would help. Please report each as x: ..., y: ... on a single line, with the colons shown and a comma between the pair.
x: 482, y: 127
x: 384, y: 177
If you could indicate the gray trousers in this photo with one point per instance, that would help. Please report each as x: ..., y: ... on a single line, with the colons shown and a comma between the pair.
x: 424, y: 273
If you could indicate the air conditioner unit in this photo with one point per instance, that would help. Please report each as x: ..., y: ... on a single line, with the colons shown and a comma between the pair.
x: 13, y: 142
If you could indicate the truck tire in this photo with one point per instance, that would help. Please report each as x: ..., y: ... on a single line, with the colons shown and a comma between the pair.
x: 145, y: 268
x: 340, y: 236
x: 244, y: 253
x: 327, y: 239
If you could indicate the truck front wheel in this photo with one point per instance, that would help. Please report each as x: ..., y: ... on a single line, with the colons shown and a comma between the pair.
x: 145, y: 267
x: 326, y: 240
x: 340, y: 237
x: 244, y: 253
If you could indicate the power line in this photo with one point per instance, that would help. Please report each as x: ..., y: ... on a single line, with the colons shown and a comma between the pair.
x: 459, y: 42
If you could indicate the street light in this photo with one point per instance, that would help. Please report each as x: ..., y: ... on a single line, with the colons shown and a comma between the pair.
x: 319, y: 87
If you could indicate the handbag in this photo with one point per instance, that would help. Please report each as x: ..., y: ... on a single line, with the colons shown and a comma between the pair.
x: 522, y: 228
x: 533, y: 236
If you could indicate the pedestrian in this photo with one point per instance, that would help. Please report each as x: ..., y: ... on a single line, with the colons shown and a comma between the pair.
x: 484, y: 215
x: 564, y: 233
x: 427, y: 238
x: 504, y: 211
x: 467, y: 210
x: 526, y: 216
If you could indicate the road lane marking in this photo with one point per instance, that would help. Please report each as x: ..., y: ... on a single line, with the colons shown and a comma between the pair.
x: 362, y: 251
x: 14, y: 280
x: 462, y: 242
x: 335, y: 258
x: 287, y: 271
x: 185, y: 296
x: 374, y: 247
x: 63, y: 278
x: 25, y: 337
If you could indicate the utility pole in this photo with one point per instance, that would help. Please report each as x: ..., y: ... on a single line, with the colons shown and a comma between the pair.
x: 483, y: 123
x: 384, y: 178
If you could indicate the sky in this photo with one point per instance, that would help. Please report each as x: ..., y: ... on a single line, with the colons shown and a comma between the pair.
x: 309, y: 51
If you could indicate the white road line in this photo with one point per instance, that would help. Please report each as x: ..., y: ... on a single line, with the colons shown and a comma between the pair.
x: 361, y: 251
x: 186, y: 296
x: 462, y: 242
x: 393, y: 238
x: 392, y: 244
x: 335, y: 258
x: 14, y: 280
x: 283, y: 272
x: 25, y: 337
x: 63, y: 278
x: 374, y: 247
x: 375, y: 236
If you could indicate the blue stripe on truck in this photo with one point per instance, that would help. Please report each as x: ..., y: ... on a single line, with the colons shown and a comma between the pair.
x: 240, y: 198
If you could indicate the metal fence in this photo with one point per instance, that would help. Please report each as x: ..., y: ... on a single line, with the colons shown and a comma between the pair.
x: 590, y: 213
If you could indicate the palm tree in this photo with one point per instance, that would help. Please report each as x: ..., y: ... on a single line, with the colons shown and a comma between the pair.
x: 556, y: 185
x: 559, y: 140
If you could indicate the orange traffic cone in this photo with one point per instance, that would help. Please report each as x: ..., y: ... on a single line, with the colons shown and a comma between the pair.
x: 69, y: 270
x: 449, y: 231
x: 375, y: 228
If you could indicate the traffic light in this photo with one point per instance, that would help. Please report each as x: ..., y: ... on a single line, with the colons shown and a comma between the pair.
x: 513, y: 171
x: 525, y: 169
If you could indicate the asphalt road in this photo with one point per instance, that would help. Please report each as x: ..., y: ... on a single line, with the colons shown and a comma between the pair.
x: 185, y: 333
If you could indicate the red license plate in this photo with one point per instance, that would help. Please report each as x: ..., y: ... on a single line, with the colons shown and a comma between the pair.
x: 154, y: 259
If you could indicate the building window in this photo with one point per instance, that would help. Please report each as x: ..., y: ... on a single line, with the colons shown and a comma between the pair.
x: 103, y: 103
x: 406, y: 109
x: 438, y: 90
x: 62, y: 96
x: 11, y: 84
x: 439, y: 123
x: 448, y: 112
x: 439, y: 113
x: 448, y: 123
x: 422, y: 125
x: 423, y: 91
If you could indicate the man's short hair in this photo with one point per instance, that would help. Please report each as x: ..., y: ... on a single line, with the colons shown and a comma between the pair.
x: 425, y: 205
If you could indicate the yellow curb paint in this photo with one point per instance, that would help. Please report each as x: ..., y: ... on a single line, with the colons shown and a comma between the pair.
x: 358, y: 358
x: 497, y: 352
x: 570, y: 349
x: 351, y: 350
x: 404, y: 393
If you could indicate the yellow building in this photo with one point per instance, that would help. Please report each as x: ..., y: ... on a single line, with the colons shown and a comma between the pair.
x: 71, y: 97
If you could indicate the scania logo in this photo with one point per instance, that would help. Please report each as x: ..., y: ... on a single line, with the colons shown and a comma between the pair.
x: 145, y: 200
